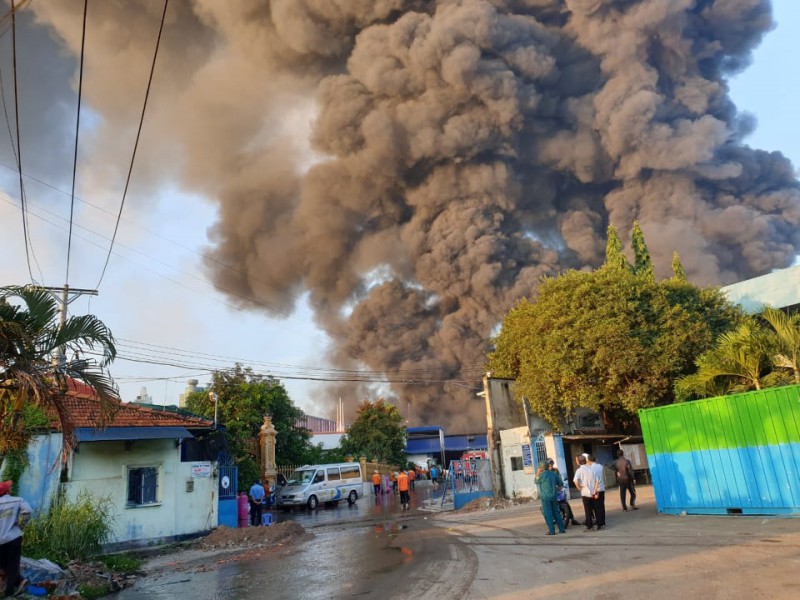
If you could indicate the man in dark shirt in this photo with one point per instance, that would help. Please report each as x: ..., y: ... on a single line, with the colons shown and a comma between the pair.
x: 624, y: 471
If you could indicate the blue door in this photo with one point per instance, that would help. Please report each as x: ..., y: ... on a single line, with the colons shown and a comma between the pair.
x: 228, y: 484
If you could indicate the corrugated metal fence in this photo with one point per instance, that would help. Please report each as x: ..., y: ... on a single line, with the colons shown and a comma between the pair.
x: 736, y: 454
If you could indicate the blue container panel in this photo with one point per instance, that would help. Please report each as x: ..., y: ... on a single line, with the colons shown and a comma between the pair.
x: 756, y: 480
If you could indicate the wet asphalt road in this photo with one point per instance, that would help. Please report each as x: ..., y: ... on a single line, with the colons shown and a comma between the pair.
x: 372, y: 549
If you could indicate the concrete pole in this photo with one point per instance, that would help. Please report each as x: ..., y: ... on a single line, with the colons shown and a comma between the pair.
x: 493, y: 439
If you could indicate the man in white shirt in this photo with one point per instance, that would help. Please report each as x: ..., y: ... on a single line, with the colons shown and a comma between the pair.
x: 600, y: 500
x: 586, y: 481
x: 14, y: 514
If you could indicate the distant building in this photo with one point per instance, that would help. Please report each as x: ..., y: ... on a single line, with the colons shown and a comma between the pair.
x: 779, y: 289
x: 144, y: 397
x: 191, y: 386
x: 427, y: 445
x: 327, y: 432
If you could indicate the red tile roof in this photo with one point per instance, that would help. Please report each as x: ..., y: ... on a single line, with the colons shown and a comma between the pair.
x: 83, y: 406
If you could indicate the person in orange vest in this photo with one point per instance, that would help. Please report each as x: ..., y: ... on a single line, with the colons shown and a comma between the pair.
x: 376, y: 483
x: 412, y: 477
x: 394, y: 481
x: 402, y: 485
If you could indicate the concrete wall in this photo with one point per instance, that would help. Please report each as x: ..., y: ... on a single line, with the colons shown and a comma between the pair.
x: 517, y: 483
x: 39, y: 482
x: 507, y: 412
x: 101, y: 468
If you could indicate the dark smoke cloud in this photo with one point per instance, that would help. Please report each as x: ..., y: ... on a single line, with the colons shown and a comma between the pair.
x: 463, y: 149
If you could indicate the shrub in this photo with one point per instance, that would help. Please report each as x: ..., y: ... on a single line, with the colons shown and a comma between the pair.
x: 122, y: 563
x: 70, y: 530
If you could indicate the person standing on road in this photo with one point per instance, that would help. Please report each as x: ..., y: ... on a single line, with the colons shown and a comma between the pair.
x: 376, y: 483
x: 624, y: 471
x: 587, y: 483
x: 412, y: 477
x: 600, y: 497
x: 402, y: 485
x: 548, y: 483
x: 434, y: 473
x: 561, y: 498
x: 256, y: 496
x: 14, y: 514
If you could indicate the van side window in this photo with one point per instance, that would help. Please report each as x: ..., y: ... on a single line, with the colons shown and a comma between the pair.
x: 319, y: 477
x: 333, y: 474
x: 353, y: 472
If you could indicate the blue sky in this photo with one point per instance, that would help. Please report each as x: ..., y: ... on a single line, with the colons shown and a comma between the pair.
x: 155, y: 282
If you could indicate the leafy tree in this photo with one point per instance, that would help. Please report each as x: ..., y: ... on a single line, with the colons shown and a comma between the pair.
x: 787, y: 339
x: 678, y: 272
x: 242, y: 399
x: 738, y: 363
x: 30, y: 336
x: 643, y: 264
x: 377, y: 432
x: 614, y: 255
x: 612, y: 340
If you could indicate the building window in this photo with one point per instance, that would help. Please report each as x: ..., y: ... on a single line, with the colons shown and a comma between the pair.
x: 516, y: 463
x: 142, y: 486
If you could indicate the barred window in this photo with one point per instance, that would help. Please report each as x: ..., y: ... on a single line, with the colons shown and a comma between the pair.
x: 142, y: 486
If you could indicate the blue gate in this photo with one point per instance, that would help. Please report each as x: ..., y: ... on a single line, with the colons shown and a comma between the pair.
x: 470, y: 479
x: 228, y: 486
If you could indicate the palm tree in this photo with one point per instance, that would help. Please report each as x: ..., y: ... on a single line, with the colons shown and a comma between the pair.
x: 30, y: 337
x: 787, y: 332
x: 737, y: 363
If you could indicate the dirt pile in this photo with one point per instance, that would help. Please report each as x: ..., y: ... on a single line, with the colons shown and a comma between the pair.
x: 251, y: 537
x: 493, y: 504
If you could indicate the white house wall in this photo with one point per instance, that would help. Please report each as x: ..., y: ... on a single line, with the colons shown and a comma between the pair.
x: 517, y: 483
x: 101, y: 468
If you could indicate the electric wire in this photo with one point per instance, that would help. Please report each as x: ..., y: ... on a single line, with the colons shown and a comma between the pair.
x: 136, y: 143
x: 16, y: 159
x: 77, y: 136
x: 19, y: 146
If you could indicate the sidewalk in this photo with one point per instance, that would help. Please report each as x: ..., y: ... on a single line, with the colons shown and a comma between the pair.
x: 641, y: 554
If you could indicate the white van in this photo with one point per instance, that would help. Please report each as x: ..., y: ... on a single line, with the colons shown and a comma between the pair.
x: 312, y: 484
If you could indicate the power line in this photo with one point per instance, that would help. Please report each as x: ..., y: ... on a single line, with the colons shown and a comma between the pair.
x: 136, y: 143
x: 77, y: 135
x: 19, y: 148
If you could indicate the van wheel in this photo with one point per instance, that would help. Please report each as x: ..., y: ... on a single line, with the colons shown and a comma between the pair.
x: 313, y: 503
x: 351, y: 499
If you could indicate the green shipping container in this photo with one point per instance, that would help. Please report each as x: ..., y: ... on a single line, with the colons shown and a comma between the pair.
x: 736, y: 454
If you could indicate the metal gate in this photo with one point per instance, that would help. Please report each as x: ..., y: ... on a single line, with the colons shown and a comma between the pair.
x: 541, y: 450
x: 228, y: 486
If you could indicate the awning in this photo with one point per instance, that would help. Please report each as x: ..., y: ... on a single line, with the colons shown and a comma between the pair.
x: 90, y: 434
x: 611, y: 437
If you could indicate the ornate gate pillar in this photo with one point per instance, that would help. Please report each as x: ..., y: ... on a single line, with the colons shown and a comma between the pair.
x: 267, y: 437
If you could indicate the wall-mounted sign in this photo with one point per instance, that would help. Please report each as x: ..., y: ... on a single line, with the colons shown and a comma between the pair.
x: 527, y: 458
x: 201, y: 470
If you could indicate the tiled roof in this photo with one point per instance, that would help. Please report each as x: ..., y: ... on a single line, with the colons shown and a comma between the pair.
x: 83, y: 406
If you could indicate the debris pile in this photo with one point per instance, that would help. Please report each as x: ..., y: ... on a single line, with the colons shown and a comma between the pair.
x: 488, y: 503
x: 251, y: 537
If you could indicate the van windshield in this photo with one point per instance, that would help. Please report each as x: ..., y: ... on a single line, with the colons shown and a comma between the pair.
x: 301, y: 476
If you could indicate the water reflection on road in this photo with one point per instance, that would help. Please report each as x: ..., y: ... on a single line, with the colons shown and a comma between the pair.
x: 368, y: 508
x: 355, y: 551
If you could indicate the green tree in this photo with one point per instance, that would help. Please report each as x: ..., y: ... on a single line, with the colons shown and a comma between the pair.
x: 611, y: 340
x: 787, y: 339
x: 377, y: 432
x: 738, y: 362
x: 678, y: 272
x: 30, y: 337
x: 615, y: 258
x: 643, y: 264
x: 243, y: 398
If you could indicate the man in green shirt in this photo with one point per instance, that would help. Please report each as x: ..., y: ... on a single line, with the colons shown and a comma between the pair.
x: 548, y: 483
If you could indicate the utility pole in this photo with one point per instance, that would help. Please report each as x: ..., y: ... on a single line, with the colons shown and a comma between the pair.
x: 65, y: 296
